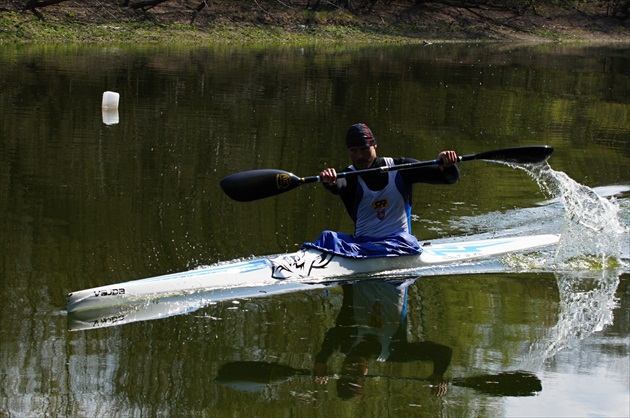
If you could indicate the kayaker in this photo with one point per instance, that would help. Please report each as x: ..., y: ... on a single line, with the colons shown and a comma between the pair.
x: 379, y: 203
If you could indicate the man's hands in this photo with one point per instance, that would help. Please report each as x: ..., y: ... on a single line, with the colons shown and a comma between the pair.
x: 329, y: 176
x: 321, y: 372
x: 447, y: 159
x: 439, y: 387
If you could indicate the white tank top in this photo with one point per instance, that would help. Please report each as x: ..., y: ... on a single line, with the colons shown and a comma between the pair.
x: 383, y: 212
x: 379, y: 310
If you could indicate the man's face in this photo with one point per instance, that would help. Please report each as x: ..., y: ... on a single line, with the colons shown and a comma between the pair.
x: 362, y: 157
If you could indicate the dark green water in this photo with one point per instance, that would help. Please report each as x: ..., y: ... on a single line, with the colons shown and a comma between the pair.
x: 85, y: 204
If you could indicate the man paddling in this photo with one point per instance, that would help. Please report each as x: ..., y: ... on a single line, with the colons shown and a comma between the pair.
x: 379, y: 203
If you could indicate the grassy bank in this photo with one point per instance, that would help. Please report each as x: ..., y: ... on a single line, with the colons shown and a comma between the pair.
x: 23, y: 29
x: 247, y: 22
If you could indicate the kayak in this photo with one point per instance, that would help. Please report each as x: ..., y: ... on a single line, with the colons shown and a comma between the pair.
x: 280, y: 274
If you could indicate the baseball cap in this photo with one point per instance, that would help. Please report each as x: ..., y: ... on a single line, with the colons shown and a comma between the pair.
x: 359, y: 135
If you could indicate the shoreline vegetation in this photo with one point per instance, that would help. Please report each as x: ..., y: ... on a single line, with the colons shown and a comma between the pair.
x: 295, y: 22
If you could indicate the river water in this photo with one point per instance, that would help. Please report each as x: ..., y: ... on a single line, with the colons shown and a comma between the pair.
x: 89, y: 198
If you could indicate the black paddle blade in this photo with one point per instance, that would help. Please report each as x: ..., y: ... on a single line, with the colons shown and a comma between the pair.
x: 518, y: 155
x: 258, y: 184
x: 257, y: 372
x: 503, y: 384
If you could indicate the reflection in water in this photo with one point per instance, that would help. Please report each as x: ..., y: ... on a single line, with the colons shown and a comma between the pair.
x: 251, y: 376
x: 372, y: 326
x: 591, y: 243
x: 587, y: 301
x: 140, y: 310
x: 110, y: 116
x: 160, y: 307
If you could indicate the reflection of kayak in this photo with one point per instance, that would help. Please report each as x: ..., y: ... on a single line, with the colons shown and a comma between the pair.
x: 280, y: 274
x: 161, y: 306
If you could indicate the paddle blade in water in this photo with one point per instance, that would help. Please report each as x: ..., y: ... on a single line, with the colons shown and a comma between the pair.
x: 258, y: 184
x: 518, y: 155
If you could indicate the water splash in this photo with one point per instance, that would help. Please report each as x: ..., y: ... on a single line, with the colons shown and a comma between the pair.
x: 588, y: 262
x: 592, y: 232
x: 587, y: 302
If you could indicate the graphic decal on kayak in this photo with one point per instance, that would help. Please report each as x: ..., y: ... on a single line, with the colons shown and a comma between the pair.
x: 474, y: 249
x: 109, y: 292
x: 108, y: 321
x: 299, y: 265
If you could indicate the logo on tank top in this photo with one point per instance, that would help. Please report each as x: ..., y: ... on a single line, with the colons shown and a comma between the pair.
x: 380, y: 206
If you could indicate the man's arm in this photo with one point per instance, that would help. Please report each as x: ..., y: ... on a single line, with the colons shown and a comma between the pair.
x: 436, y: 174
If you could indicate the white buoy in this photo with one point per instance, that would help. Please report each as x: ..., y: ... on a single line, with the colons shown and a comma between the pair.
x: 110, y: 100
x: 109, y: 107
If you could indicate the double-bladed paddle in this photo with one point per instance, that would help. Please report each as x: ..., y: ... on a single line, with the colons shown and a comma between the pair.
x: 247, y: 186
x: 253, y: 374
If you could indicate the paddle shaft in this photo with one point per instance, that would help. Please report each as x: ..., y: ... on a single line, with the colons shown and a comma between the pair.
x: 384, y: 169
x: 509, y: 155
x: 259, y: 184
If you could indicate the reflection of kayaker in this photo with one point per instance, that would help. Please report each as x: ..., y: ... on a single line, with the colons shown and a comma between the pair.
x: 372, y: 325
x: 379, y: 203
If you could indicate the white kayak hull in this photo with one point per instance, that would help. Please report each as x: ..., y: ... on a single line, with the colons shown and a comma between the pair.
x: 279, y: 274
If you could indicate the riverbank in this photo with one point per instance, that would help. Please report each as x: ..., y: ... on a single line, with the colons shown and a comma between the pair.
x: 276, y: 22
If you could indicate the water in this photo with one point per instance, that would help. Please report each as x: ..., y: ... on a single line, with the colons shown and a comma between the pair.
x: 86, y: 203
x: 592, y: 226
